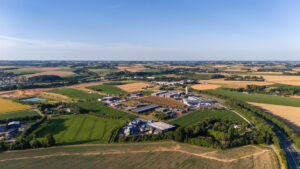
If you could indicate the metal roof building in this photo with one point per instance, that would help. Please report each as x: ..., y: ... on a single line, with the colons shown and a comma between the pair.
x: 145, y: 108
x: 161, y: 126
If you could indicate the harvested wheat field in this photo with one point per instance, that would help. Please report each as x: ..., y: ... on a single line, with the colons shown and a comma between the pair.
x: 52, y: 72
x: 289, y: 80
x: 205, y: 86
x: 291, y: 115
x: 133, y: 87
x: 10, y: 106
x: 235, y: 84
x: 162, y: 101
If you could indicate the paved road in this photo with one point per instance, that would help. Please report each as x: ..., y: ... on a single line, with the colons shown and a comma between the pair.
x: 292, y: 155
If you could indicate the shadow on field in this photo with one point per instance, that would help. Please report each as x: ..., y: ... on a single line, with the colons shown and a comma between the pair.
x: 54, y: 126
x: 290, y: 124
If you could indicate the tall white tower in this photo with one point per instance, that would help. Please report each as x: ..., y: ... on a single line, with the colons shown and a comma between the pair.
x: 187, y: 90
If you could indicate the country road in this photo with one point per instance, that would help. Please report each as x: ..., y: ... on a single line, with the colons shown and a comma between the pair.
x: 292, y: 155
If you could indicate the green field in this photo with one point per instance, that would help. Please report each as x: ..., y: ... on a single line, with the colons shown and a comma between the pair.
x: 279, y: 85
x: 259, y: 98
x: 107, y: 89
x: 23, y: 72
x: 140, y: 156
x: 18, y: 114
x: 76, y: 94
x: 101, y: 109
x: 200, y: 115
x: 74, y: 129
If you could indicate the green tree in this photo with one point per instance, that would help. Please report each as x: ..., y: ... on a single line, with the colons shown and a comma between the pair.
x: 49, y: 140
x: 179, y: 134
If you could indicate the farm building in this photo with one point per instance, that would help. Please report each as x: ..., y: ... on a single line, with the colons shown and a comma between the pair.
x: 161, y: 127
x: 159, y: 93
x: 13, y: 124
x: 145, y: 108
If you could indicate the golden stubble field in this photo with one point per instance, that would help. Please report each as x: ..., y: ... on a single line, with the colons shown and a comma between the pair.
x: 289, y: 80
x: 134, y: 87
x: 205, y: 86
x: 10, y: 106
x: 289, y: 113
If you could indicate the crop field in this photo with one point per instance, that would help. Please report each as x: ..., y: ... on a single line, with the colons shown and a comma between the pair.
x: 23, y: 72
x: 57, y: 73
x: 133, y: 87
x: 200, y: 115
x: 75, y: 129
x: 290, y: 115
x: 101, y: 109
x: 289, y: 80
x: 284, y: 86
x: 162, y: 101
x: 235, y: 84
x: 76, y: 94
x: 10, y: 106
x: 107, y: 89
x: 37, y: 71
x: 260, y: 98
x: 205, y: 86
x: 140, y: 155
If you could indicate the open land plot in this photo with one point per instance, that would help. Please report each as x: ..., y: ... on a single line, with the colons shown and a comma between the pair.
x: 235, y: 84
x: 205, y: 86
x: 162, y: 101
x: 200, y: 115
x: 73, y: 129
x: 76, y: 94
x: 290, y: 115
x: 107, y: 89
x: 259, y: 98
x: 140, y: 155
x: 37, y: 71
x: 133, y: 87
x: 133, y: 68
x: 101, y: 109
x: 22, y: 93
x: 18, y: 114
x: 10, y: 106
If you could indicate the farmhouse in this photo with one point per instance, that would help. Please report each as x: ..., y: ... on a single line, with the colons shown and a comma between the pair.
x: 145, y: 108
x: 161, y: 127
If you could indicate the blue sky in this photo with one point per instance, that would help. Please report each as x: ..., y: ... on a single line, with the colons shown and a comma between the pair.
x: 150, y: 29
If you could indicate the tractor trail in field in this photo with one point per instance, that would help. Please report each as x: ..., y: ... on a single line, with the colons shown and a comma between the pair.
x: 207, y: 155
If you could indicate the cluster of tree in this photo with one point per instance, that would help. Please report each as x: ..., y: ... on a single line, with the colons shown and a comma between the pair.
x: 251, y: 89
x: 45, y: 78
x: 273, y: 69
x: 26, y: 143
x: 245, y: 78
x: 160, y: 115
x: 33, y: 127
x: 262, y: 90
x: 294, y: 74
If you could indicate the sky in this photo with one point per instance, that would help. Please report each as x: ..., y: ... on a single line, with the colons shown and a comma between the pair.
x: 149, y: 30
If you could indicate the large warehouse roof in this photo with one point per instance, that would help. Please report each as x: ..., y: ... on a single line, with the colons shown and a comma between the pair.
x: 161, y: 125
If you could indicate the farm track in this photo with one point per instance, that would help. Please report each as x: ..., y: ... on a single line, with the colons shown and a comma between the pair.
x: 158, y: 149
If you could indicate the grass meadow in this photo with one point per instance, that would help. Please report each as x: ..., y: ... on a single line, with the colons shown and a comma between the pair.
x: 75, y: 129
x: 200, y: 115
x: 76, y: 94
x: 107, y: 89
x: 259, y: 98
